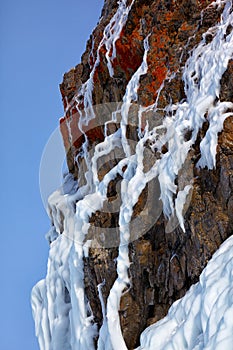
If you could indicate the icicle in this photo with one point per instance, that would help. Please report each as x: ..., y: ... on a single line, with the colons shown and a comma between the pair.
x: 110, y: 36
x: 39, y: 309
x: 208, y: 145
x: 112, y: 32
x: 104, y: 148
x: 131, y: 96
x: 111, y: 331
x: 202, y: 76
x: 179, y: 204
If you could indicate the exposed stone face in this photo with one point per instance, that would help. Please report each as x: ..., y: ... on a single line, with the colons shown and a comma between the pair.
x: 164, y: 264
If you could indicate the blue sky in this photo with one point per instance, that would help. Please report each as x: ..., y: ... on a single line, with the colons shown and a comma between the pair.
x: 39, y: 41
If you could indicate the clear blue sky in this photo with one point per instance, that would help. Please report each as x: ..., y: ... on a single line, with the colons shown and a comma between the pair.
x: 39, y: 41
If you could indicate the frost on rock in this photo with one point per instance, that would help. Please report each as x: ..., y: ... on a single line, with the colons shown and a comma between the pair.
x: 201, y: 320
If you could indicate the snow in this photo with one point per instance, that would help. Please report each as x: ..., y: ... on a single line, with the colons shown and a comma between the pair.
x: 201, y: 320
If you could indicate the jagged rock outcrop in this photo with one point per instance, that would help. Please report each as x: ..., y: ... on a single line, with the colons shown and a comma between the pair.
x: 164, y: 263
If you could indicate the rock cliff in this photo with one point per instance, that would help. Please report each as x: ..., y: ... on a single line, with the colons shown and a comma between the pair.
x: 145, y: 53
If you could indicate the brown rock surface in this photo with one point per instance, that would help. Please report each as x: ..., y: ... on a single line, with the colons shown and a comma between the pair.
x: 164, y: 264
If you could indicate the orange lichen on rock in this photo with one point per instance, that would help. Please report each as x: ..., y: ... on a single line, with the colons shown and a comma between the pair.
x: 158, y: 63
x: 129, y: 52
x: 72, y: 136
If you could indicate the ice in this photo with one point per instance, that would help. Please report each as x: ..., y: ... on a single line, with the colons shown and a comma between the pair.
x: 179, y: 204
x: 52, y: 235
x: 113, y: 30
x: 110, y: 143
x: 111, y: 329
x: 209, y: 143
x: 202, y: 75
x: 60, y: 298
x: 131, y: 96
x: 39, y: 310
x: 202, y: 319
x: 110, y: 35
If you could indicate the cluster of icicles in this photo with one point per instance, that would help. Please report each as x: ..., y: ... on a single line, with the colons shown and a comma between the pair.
x: 63, y: 318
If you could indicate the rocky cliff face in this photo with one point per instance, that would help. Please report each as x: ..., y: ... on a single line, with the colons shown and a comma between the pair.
x: 152, y: 58
x: 163, y: 265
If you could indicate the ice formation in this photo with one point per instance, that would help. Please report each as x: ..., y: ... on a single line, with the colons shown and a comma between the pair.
x: 110, y: 35
x: 201, y: 320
